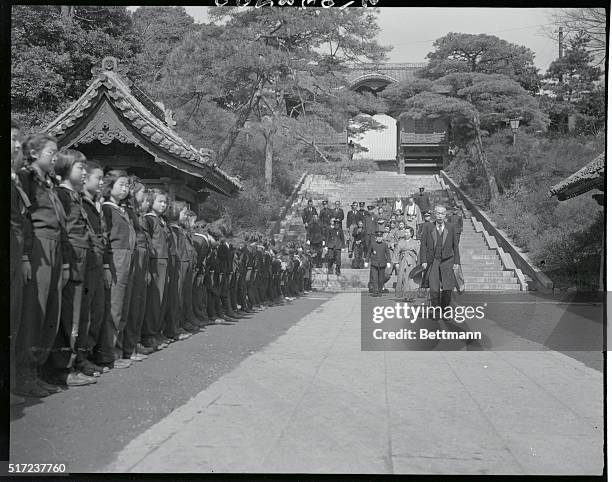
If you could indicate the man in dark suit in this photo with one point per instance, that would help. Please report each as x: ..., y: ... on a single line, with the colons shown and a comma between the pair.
x: 335, y: 245
x: 338, y: 213
x: 440, y: 252
x: 308, y: 213
x: 315, y: 239
x: 370, y: 223
x: 379, y: 258
x: 351, y: 224
x: 325, y: 216
x: 362, y: 213
x: 422, y: 200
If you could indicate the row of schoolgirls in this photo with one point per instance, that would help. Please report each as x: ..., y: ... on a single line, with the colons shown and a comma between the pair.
x: 105, y: 271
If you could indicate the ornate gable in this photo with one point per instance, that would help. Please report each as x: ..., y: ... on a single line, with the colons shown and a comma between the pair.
x: 113, y: 108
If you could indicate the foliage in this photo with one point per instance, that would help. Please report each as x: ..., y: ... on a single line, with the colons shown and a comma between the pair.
x: 53, y: 51
x: 159, y: 29
x: 275, y: 64
x: 487, y: 54
x: 571, y: 89
x: 561, y: 234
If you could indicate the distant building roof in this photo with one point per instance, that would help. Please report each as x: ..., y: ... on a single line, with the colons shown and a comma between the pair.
x: 591, y: 176
x: 394, y: 71
x: 148, y: 120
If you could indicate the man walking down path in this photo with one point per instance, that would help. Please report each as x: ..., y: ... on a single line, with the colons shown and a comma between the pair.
x: 352, y: 218
x: 422, y: 200
x: 371, y: 225
x: 315, y: 237
x: 440, y: 252
x: 308, y: 213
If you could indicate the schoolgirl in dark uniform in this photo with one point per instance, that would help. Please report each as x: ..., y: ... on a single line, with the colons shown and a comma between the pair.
x: 159, y: 233
x: 98, y: 280
x: 71, y: 169
x: 50, y: 269
x: 121, y: 242
x: 132, y: 348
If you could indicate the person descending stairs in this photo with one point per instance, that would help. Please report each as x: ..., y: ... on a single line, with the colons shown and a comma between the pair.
x: 482, y: 266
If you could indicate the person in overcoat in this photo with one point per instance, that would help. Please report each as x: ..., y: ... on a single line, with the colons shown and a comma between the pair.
x: 440, y: 253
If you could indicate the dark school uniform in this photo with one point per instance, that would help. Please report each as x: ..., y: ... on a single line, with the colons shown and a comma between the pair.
x: 378, y: 255
x: 202, y: 247
x: 158, y: 232
x: 120, y: 245
x: 138, y: 299
x: 20, y: 247
x: 335, y: 242
x: 42, y: 295
x: 172, y: 317
x: 96, y: 301
x: 80, y: 234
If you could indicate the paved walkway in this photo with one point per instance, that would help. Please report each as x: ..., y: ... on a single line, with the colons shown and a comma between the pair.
x: 313, y: 402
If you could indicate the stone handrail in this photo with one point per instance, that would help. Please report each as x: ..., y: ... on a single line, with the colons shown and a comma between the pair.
x: 521, y: 261
x: 275, y: 228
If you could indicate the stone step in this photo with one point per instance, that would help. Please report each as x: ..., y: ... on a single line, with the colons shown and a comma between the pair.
x: 492, y: 272
x: 492, y: 287
x: 489, y: 279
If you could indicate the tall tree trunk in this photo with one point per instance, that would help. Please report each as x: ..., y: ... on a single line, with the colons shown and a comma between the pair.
x: 484, y: 162
x: 269, y: 136
x: 243, y: 116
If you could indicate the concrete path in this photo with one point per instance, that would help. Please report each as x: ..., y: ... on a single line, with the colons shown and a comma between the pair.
x: 313, y: 402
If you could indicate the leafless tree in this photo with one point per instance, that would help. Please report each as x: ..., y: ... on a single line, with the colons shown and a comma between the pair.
x: 589, y: 23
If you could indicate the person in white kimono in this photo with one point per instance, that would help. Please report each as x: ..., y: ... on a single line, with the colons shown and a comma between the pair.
x: 412, y: 215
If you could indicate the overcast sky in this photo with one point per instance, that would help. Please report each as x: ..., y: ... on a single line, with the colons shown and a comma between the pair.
x: 411, y: 31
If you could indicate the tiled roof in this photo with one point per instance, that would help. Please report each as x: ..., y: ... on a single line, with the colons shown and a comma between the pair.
x: 589, y: 177
x: 397, y: 71
x: 130, y: 102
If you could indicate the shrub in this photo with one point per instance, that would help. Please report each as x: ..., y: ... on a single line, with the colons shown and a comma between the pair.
x: 565, y: 236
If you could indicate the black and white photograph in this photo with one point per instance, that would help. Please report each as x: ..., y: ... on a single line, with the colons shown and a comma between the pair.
x: 306, y: 237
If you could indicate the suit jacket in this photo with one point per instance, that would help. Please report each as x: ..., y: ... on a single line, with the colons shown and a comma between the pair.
x: 450, y: 244
x: 338, y: 214
x: 352, y: 218
x: 379, y: 254
x: 308, y: 213
x: 314, y: 232
x: 325, y: 216
x: 361, y: 215
x: 422, y: 201
x: 335, y: 239
x: 371, y: 223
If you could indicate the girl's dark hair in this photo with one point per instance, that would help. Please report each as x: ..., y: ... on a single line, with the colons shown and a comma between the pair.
x: 91, y: 165
x: 411, y: 230
x: 35, y: 142
x: 173, y: 212
x: 66, y: 159
x: 152, y: 195
x: 110, y: 179
x: 139, y: 186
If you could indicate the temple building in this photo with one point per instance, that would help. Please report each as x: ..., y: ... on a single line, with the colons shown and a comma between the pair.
x: 118, y: 125
x: 590, y: 177
x: 406, y: 144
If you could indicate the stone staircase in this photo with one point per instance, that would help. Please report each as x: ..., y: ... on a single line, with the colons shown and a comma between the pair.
x: 482, y: 265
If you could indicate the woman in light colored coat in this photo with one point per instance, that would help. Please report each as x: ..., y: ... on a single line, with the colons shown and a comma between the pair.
x: 407, y: 257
